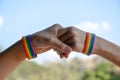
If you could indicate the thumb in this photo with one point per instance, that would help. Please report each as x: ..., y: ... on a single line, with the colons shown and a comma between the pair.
x: 61, y: 46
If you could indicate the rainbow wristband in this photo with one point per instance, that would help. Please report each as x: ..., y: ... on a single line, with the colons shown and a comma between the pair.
x: 89, y: 43
x: 26, y: 42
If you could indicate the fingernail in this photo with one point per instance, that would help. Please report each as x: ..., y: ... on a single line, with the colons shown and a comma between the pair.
x: 66, y: 56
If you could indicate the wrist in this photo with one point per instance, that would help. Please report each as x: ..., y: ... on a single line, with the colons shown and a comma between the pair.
x: 21, y: 55
x: 28, y: 48
x: 17, y: 52
x: 97, y: 45
x: 89, y: 43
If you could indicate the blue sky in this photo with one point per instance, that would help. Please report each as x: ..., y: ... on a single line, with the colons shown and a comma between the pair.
x: 22, y: 17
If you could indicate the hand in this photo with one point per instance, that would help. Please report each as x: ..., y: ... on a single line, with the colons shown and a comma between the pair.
x: 45, y: 40
x: 73, y: 37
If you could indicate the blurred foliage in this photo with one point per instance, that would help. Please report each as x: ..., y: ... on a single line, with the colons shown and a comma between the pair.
x: 91, y: 69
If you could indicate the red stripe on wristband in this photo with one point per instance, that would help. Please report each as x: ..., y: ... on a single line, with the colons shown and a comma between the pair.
x: 28, y: 48
x: 89, y: 43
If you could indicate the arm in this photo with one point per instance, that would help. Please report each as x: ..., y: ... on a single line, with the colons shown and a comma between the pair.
x: 10, y: 59
x: 75, y: 38
x: 41, y: 41
x: 108, y: 50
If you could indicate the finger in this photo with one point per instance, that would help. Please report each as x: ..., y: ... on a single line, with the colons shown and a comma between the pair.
x: 55, y: 26
x: 61, y: 55
x: 64, y: 30
x: 66, y: 55
x: 54, y: 29
x: 61, y: 46
x: 57, y: 51
x: 70, y: 41
x: 65, y: 36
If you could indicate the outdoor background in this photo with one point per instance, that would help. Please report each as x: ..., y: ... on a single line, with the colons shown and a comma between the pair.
x: 23, y: 17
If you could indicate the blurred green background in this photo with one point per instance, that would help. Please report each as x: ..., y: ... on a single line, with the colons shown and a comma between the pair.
x: 92, y: 69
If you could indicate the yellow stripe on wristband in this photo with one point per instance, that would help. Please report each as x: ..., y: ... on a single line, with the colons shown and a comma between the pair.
x: 28, y: 48
x: 89, y: 43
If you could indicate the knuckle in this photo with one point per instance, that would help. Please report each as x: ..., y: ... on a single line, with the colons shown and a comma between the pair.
x: 72, y: 28
x: 57, y: 26
x: 74, y: 40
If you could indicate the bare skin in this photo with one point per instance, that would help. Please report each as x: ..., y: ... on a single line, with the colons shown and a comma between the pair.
x: 75, y: 39
x: 41, y: 41
x: 63, y: 40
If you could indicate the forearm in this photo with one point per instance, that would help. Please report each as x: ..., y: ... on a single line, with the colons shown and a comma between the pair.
x: 10, y: 59
x: 107, y: 50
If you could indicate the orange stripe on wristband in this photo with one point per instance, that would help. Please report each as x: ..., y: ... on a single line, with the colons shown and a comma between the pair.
x: 28, y: 48
x: 89, y: 43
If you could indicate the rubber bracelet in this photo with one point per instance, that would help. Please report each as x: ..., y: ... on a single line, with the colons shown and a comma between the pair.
x: 26, y: 43
x: 89, y: 43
